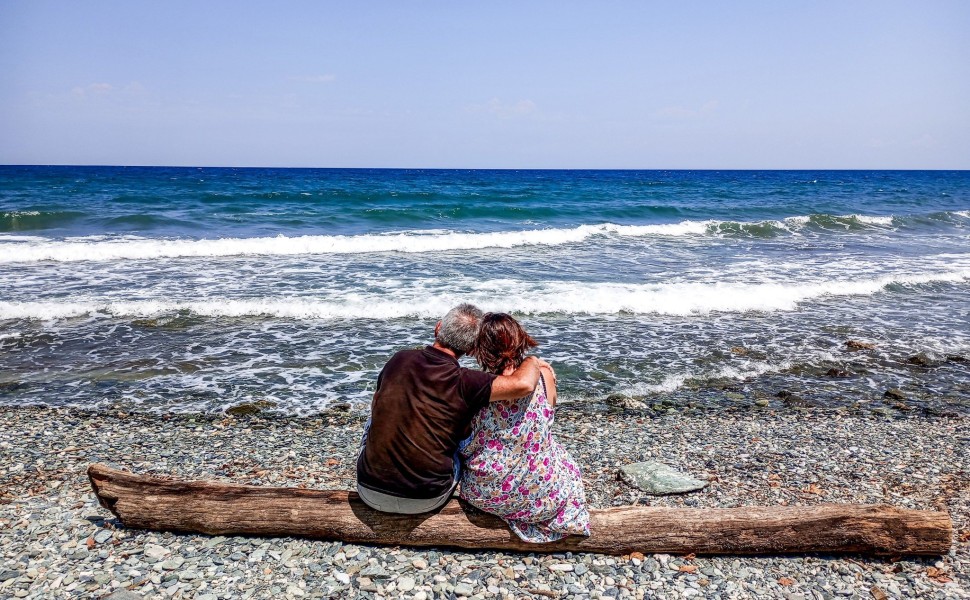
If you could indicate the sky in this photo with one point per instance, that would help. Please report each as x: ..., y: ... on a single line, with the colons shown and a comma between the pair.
x: 643, y: 85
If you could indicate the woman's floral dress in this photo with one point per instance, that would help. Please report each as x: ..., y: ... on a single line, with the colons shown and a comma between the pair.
x: 513, y: 468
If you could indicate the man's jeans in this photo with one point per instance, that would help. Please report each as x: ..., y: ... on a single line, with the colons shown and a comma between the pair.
x: 404, y: 506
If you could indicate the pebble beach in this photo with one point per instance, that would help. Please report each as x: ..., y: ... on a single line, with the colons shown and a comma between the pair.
x: 56, y: 541
x: 788, y: 337
x: 739, y: 236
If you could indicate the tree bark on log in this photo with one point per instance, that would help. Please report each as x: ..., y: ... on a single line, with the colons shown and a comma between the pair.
x: 145, y: 502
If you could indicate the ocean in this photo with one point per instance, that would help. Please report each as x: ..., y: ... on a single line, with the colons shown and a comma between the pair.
x: 194, y: 289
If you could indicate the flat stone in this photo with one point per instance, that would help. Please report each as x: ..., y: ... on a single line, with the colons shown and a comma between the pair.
x: 374, y: 572
x: 9, y: 574
x: 173, y: 563
x: 922, y: 359
x: 621, y: 402
x: 405, y: 584
x: 102, y: 536
x: 248, y: 409
x: 463, y: 589
x: 125, y: 595
x: 216, y: 541
x: 659, y: 479
x: 155, y: 551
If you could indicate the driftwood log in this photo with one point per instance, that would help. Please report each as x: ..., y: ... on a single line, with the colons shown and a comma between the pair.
x: 144, y: 502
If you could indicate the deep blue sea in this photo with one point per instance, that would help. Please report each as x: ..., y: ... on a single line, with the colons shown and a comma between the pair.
x: 193, y: 289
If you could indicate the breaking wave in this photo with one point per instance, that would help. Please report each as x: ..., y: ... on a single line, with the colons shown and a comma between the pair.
x: 528, y: 298
x: 15, y: 249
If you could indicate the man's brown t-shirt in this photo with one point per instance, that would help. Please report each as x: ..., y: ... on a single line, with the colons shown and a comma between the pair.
x: 422, y: 410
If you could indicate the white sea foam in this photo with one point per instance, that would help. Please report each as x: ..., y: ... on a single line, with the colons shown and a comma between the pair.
x: 670, y: 383
x: 561, y: 297
x: 415, y: 241
x: 8, y: 237
x: 872, y: 220
x: 674, y: 382
x: 798, y: 220
x: 103, y: 248
x: 669, y: 229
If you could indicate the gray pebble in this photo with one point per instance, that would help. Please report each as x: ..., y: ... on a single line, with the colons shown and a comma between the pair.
x: 102, y: 536
x: 375, y: 572
x: 124, y: 595
x: 737, y: 452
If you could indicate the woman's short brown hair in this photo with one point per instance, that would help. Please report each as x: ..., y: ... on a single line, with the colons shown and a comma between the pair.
x: 502, y: 341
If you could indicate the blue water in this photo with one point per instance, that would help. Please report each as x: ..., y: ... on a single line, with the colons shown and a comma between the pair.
x: 206, y: 202
x: 174, y: 289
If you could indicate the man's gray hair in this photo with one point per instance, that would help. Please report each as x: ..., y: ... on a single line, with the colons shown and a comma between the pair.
x: 459, y: 328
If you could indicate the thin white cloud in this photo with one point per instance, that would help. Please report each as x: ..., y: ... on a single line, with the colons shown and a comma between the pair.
x: 92, y: 89
x: 326, y: 78
x: 504, y: 110
x: 102, y: 89
x: 682, y: 112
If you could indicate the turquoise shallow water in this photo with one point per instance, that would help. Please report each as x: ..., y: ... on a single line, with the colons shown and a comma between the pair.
x: 173, y: 289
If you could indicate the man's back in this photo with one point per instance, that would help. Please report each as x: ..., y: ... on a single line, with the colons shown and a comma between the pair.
x: 422, y: 409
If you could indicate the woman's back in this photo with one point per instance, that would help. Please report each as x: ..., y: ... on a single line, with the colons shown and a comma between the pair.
x: 514, y: 468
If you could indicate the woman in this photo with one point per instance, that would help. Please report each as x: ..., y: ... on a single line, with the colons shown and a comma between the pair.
x: 513, y: 466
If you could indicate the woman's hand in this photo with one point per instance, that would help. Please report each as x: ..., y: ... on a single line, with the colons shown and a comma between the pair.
x: 545, y: 365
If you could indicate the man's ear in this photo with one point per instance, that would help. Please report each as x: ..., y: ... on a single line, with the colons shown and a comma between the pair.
x: 437, y: 328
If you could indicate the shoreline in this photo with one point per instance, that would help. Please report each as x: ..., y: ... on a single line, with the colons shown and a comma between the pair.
x: 55, y: 540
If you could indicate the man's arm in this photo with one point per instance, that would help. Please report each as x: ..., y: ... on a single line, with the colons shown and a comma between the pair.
x: 520, y: 383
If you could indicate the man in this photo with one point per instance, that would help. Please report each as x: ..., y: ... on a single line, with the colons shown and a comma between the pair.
x: 422, y: 410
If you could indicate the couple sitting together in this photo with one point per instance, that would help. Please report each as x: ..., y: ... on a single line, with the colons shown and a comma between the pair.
x: 435, y: 424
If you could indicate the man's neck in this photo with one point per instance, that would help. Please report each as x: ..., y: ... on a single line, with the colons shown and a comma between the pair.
x: 447, y: 351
